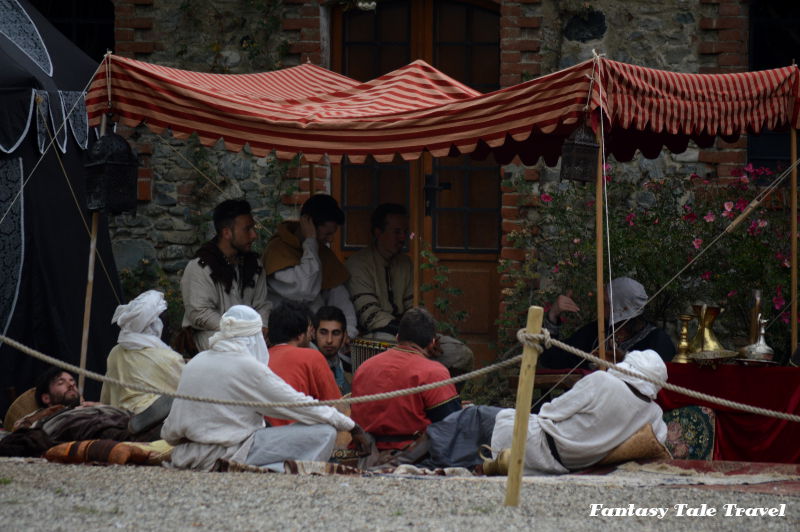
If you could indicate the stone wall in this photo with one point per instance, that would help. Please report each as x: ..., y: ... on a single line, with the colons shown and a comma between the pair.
x: 537, y: 37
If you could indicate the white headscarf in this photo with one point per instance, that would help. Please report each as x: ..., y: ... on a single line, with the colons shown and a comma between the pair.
x: 628, y: 299
x: 646, y: 363
x: 139, y: 322
x: 240, y: 332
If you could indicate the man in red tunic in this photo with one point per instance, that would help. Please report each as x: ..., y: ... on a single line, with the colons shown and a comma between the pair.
x: 304, y: 369
x: 397, y: 422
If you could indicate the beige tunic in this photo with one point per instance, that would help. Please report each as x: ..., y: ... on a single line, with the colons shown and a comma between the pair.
x: 369, y: 289
x: 205, y: 301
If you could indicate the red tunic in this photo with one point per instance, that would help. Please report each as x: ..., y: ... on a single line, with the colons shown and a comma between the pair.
x: 401, y: 416
x: 305, y: 370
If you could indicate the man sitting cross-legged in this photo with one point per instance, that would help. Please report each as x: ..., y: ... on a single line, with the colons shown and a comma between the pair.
x: 398, y: 421
x: 233, y: 370
x: 140, y: 356
x: 304, y: 369
x: 331, y: 337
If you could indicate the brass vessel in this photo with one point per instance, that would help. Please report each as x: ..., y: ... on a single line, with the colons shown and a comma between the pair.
x: 682, y: 356
x: 704, y: 340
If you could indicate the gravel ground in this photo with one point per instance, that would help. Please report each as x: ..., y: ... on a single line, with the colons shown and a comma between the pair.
x: 36, y: 495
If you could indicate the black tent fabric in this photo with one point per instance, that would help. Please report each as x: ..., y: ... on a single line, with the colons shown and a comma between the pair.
x: 44, y: 223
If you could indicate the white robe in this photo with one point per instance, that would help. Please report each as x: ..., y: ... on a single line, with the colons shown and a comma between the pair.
x: 303, y: 283
x: 586, y: 423
x: 204, y: 432
x: 150, y: 366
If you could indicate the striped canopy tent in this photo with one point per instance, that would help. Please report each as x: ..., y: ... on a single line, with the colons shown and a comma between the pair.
x: 315, y: 112
x: 415, y: 109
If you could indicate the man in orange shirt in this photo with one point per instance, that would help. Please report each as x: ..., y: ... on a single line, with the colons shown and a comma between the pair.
x: 304, y: 369
x: 397, y: 422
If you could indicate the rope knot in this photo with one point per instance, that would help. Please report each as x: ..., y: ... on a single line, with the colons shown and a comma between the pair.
x: 540, y: 341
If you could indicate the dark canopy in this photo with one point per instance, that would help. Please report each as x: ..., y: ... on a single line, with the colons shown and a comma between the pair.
x: 44, y: 236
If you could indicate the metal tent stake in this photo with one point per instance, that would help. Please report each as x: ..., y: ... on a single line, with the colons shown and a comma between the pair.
x: 527, y: 374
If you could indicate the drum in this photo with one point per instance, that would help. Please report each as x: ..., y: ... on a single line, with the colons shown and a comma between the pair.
x: 363, y: 348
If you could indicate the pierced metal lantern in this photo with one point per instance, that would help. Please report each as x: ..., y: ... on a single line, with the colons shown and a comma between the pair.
x: 111, y: 175
x: 579, y: 155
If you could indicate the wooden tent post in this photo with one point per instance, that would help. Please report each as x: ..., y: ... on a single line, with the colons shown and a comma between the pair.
x: 527, y: 374
x: 87, y: 302
x: 793, y: 152
x: 598, y: 237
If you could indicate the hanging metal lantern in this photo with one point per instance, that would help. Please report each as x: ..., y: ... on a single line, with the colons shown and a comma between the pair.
x: 579, y: 155
x: 111, y: 175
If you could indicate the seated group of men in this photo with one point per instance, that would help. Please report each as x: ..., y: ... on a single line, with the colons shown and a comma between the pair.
x: 232, y: 299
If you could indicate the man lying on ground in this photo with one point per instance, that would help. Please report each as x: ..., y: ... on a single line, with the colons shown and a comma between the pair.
x: 394, y: 423
x: 303, y: 368
x: 140, y: 356
x: 64, y: 416
x: 579, y: 428
x: 235, y: 368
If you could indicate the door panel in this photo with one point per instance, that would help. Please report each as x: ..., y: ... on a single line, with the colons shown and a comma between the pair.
x: 461, y: 224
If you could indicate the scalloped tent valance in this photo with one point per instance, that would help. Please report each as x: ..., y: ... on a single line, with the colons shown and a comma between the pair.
x: 320, y: 114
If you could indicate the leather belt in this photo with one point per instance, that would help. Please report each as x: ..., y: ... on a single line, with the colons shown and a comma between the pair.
x: 551, y: 443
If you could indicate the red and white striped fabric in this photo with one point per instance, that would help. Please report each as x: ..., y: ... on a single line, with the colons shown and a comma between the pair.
x: 311, y: 111
x: 647, y: 108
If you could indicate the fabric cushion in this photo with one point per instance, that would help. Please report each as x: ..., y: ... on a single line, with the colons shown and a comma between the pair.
x: 690, y: 432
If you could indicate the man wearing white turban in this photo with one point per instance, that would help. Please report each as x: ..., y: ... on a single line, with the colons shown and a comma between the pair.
x: 579, y: 428
x: 235, y: 369
x: 140, y: 357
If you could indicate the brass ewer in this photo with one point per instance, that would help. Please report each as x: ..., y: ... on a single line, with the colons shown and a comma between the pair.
x: 682, y: 356
x: 704, y: 340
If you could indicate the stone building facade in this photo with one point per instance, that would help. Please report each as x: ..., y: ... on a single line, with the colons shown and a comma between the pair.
x: 179, y: 182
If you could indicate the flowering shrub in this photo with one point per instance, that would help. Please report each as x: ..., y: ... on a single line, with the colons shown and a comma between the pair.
x: 656, y: 229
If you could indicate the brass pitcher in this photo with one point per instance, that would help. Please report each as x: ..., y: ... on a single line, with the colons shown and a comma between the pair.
x: 704, y: 339
x: 681, y: 356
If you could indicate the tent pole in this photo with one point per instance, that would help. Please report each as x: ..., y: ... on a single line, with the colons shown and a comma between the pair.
x: 598, y: 237
x: 793, y: 152
x: 87, y: 302
x: 527, y: 373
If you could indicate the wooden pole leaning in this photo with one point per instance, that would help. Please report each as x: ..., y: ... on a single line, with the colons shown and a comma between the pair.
x: 530, y: 357
x: 793, y: 152
x: 87, y: 302
x: 598, y: 238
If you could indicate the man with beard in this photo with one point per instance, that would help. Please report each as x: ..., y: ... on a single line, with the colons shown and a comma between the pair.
x: 225, y: 273
x: 64, y: 416
x: 304, y: 369
x: 331, y: 337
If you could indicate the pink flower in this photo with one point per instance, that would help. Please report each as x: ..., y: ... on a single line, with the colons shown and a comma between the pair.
x: 728, y: 214
x: 555, y: 268
x: 629, y: 218
x: 731, y: 293
x: 576, y: 240
x: 706, y: 276
x: 545, y: 198
x: 411, y: 236
x: 778, y: 301
x: 697, y: 242
x: 709, y: 217
x: 694, y: 176
x: 762, y: 223
x: 736, y: 172
x: 690, y: 217
x: 728, y: 206
x: 607, y: 168
x: 749, y: 168
x: 744, y: 180
x: 741, y: 204
x: 655, y: 222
